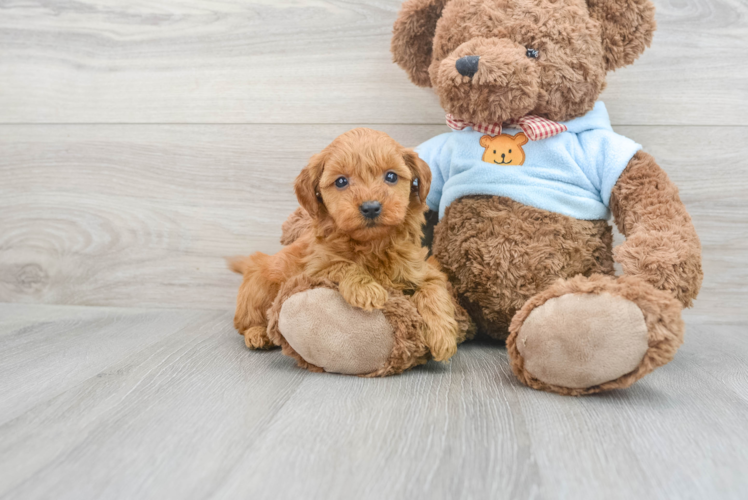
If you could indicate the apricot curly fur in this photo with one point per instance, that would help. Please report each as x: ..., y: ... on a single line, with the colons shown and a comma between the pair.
x: 371, y: 261
x: 298, y: 223
x: 661, y: 313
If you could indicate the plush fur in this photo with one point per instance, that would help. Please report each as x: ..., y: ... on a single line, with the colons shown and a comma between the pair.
x: 661, y: 313
x: 661, y: 247
x: 505, y: 259
x: 498, y: 253
x: 370, y: 260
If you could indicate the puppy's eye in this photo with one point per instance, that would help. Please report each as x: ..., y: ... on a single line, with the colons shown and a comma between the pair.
x: 532, y: 53
x: 390, y: 178
x: 341, y: 182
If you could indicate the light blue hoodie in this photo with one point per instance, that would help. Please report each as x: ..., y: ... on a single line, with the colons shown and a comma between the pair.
x: 571, y: 173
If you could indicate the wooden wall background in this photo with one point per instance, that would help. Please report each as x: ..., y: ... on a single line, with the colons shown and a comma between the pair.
x: 141, y: 142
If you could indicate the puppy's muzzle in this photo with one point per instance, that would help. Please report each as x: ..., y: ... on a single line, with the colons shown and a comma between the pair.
x: 370, y: 209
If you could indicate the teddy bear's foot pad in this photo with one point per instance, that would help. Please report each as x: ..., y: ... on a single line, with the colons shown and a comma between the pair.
x: 328, y: 332
x: 583, y: 340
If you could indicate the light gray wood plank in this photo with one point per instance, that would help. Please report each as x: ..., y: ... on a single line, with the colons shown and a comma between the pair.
x: 144, y: 215
x: 52, y: 351
x: 165, y: 421
x: 196, y: 415
x: 311, y: 61
x: 673, y: 435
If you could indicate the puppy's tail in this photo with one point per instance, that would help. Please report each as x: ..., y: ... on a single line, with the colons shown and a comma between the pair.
x: 238, y: 264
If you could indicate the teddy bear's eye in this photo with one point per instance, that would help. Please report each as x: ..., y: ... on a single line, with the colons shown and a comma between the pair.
x: 510, y: 150
x: 390, y: 178
x: 494, y: 151
x: 532, y: 53
x: 341, y: 182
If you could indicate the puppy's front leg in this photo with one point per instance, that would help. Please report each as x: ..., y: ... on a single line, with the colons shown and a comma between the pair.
x: 357, y: 286
x: 440, y: 329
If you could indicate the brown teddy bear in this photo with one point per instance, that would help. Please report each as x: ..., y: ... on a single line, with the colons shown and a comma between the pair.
x: 522, y: 232
x: 523, y: 188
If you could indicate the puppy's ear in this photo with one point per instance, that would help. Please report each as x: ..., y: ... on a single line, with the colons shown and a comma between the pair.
x: 307, y: 185
x: 421, y: 172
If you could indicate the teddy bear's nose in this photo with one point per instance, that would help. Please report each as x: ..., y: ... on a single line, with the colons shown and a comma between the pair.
x: 467, y: 66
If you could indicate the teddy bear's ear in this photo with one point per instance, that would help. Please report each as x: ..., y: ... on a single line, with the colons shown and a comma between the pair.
x: 627, y: 28
x: 485, y: 141
x: 413, y: 38
x: 307, y: 185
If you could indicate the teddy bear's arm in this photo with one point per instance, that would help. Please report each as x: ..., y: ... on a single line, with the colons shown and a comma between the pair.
x: 661, y: 245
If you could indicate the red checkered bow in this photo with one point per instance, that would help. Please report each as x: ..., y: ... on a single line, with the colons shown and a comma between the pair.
x: 534, y: 127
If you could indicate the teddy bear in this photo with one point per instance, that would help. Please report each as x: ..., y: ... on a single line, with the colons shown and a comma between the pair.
x: 521, y: 194
x: 525, y: 182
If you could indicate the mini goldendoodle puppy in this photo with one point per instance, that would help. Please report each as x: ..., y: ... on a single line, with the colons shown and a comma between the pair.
x: 363, y: 203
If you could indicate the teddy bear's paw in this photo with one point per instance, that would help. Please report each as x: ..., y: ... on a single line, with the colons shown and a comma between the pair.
x: 590, y: 334
x: 579, y: 340
x: 329, y: 333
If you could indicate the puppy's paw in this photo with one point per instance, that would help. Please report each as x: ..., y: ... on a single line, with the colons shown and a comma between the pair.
x: 367, y: 296
x: 441, y: 337
x: 256, y: 337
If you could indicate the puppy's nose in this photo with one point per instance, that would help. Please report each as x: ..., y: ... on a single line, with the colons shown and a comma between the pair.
x: 467, y: 66
x: 370, y: 209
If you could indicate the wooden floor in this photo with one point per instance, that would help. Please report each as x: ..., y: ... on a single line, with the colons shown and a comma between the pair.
x: 142, y: 403
x: 142, y: 142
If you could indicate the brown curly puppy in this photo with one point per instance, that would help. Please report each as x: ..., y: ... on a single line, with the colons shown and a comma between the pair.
x: 364, y: 201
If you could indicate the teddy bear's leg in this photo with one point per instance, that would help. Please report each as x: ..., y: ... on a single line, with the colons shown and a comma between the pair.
x: 586, y: 335
x: 499, y: 253
x: 312, y: 323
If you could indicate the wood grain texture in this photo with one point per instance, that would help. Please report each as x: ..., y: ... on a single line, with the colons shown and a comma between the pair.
x: 181, y: 125
x: 312, y: 61
x: 143, y: 216
x: 194, y: 414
